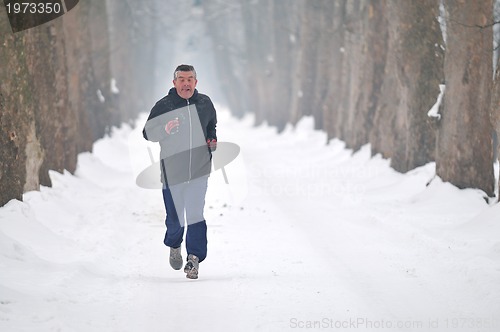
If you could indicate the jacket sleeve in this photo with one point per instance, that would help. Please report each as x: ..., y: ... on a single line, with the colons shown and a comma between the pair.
x: 212, y: 124
x: 154, y: 129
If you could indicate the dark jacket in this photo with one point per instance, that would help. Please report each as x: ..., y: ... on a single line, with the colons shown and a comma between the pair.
x: 184, y: 153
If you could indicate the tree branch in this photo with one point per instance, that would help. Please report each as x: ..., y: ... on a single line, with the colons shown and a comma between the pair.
x: 481, y: 27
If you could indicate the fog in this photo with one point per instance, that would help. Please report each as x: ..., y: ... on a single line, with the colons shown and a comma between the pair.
x: 368, y: 72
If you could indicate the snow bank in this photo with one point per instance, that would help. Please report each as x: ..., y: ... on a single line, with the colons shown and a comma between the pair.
x: 305, y: 236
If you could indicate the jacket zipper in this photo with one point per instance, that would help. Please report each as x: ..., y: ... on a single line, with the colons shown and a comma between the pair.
x: 190, y: 141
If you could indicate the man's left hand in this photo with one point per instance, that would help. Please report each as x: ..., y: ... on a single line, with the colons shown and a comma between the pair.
x: 212, y: 144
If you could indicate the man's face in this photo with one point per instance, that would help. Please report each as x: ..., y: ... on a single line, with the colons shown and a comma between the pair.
x: 185, y: 84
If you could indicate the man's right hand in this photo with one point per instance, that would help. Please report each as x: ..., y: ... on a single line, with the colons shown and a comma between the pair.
x: 172, y: 126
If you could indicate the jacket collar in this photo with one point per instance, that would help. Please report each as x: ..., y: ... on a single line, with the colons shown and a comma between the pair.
x: 179, y: 100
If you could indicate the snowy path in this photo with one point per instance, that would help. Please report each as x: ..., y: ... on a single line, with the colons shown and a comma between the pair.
x: 306, y: 236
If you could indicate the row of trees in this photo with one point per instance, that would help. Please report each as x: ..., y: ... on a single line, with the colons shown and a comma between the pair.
x: 369, y: 72
x: 59, y: 81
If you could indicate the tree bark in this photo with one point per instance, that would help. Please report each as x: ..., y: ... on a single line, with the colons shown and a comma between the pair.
x: 495, y: 115
x: 259, y: 30
x: 464, y: 141
x: 49, y: 103
x: 372, y: 62
x: 16, y: 112
x: 281, y: 63
x: 309, y: 40
x: 403, y: 131
x: 357, y: 71
x: 420, y: 71
x: 387, y: 125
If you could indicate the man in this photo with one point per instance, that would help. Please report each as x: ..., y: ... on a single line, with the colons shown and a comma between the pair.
x: 184, y: 122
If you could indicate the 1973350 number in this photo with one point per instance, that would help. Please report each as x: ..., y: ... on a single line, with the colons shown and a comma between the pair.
x: 34, y: 8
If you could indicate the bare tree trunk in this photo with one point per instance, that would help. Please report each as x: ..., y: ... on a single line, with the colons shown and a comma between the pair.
x: 82, y: 85
x: 224, y: 26
x: 250, y: 55
x: 332, y: 110
x: 106, y: 112
x: 324, y: 15
x: 351, y: 75
x: 297, y: 50
x: 281, y: 63
x: 419, y: 73
x: 387, y: 125
x: 50, y: 97
x: 16, y: 113
x: 52, y: 142
x: 464, y: 141
x: 422, y: 47
x: 371, y: 61
x: 133, y: 33
x: 309, y: 36
x: 357, y: 68
x: 259, y: 30
x: 403, y: 131
x: 495, y: 115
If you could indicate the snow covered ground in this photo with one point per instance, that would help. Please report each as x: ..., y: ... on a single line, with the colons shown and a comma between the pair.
x: 306, y: 236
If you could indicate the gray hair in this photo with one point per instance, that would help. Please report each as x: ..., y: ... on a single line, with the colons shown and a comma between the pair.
x: 184, y: 68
